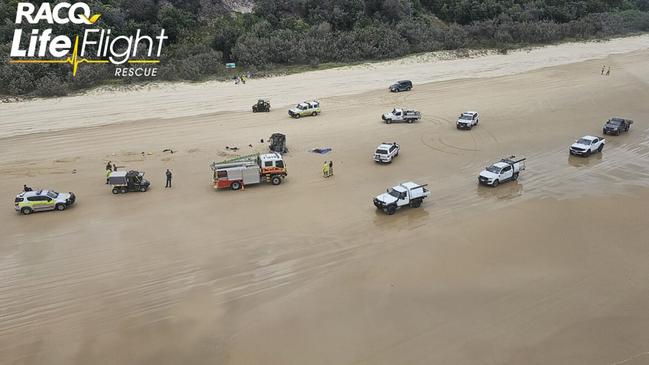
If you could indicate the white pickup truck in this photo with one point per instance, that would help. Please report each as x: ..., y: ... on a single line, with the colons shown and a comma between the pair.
x: 504, y: 170
x: 405, y: 194
x: 400, y: 115
x: 385, y: 152
x: 586, y: 145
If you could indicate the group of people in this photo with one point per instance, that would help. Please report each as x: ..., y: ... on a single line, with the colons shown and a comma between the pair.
x: 606, y: 71
x: 240, y: 79
x: 328, y: 168
x: 110, y: 167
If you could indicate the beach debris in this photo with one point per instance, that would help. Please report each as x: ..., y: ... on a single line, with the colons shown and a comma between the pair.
x: 231, y: 148
x: 321, y: 150
x: 168, y: 150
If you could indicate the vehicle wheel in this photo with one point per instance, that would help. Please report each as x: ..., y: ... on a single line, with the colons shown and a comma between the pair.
x: 409, y: 88
x: 314, y: 114
x: 235, y: 185
x: 415, y: 203
x: 123, y: 190
x: 388, y: 121
x: 600, y: 148
x: 115, y: 191
x: 297, y: 116
x: 26, y: 210
x: 588, y: 153
x: 410, y: 121
x: 60, y: 207
x: 391, y: 209
x: 495, y: 183
x: 276, y: 180
x: 515, y: 177
x: 143, y: 188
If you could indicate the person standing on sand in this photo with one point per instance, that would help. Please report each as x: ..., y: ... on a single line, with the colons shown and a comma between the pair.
x: 325, y: 169
x: 603, y: 68
x: 331, y: 168
x: 114, y: 167
x: 108, y: 171
x: 108, y: 165
x: 608, y: 72
x: 168, y: 173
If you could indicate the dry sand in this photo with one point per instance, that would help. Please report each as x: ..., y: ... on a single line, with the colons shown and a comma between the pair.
x: 174, y: 100
x: 551, y: 269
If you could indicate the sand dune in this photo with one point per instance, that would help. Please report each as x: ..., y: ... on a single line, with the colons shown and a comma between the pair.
x: 549, y: 269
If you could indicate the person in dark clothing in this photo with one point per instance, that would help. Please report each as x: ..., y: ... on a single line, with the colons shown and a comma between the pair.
x: 114, y: 167
x: 331, y: 168
x: 109, y: 165
x: 168, y: 173
x: 27, y: 188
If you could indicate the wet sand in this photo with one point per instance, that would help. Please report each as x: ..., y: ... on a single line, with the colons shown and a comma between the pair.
x: 549, y: 269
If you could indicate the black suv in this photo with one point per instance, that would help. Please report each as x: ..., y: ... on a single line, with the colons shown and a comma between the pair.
x: 616, y: 126
x: 403, y: 85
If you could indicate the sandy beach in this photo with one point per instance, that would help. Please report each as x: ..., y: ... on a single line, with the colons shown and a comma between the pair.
x: 550, y: 269
x: 175, y: 100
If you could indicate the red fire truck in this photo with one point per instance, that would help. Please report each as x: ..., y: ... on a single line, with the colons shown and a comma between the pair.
x: 238, y: 172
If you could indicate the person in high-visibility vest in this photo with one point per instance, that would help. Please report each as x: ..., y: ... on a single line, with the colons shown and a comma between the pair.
x: 325, y: 169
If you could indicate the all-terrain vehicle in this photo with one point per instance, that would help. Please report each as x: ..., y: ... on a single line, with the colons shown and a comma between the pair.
x: 125, y: 181
x: 263, y: 105
x: 278, y: 143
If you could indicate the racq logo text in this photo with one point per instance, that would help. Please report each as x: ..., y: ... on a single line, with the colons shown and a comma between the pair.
x: 94, y: 46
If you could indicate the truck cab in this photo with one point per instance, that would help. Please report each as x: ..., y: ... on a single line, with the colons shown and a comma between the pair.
x: 405, y: 194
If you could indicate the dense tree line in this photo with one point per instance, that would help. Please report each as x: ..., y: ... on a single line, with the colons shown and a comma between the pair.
x: 204, y: 34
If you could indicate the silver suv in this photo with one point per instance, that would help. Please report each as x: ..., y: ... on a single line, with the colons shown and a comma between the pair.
x: 28, y: 202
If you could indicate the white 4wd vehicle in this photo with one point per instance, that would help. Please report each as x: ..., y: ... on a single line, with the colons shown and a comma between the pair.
x: 28, y: 202
x: 400, y: 115
x: 406, y: 194
x: 385, y: 152
x: 504, y: 170
x: 467, y: 120
x: 586, y: 145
